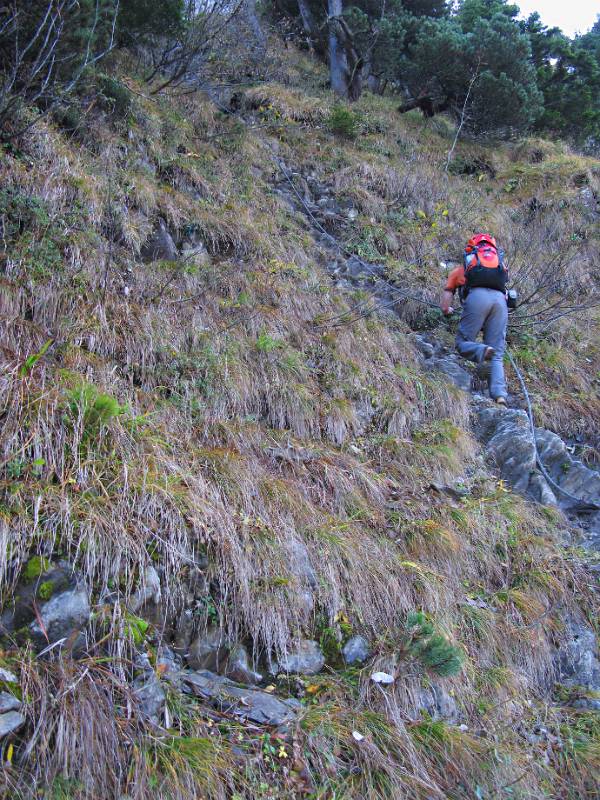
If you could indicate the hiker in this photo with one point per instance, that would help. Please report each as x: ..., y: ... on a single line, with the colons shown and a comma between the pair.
x: 481, y: 282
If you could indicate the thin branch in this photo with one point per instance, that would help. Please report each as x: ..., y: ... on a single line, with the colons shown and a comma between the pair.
x: 462, y: 116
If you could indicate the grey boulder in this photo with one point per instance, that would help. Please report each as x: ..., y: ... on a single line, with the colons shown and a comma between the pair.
x: 8, y: 702
x: 356, y: 650
x: 7, y: 676
x: 168, y: 664
x: 239, y: 667
x: 52, y: 606
x: 578, y: 657
x: 451, y: 369
x: 148, y: 590
x: 305, y: 659
x: 253, y: 705
x: 586, y: 704
x: 507, y: 434
x: 61, y: 617
x: 10, y: 722
x: 159, y: 246
x: 150, y: 695
x: 208, y: 651
x: 193, y: 251
x: 426, y: 349
x: 299, y: 562
x: 510, y: 443
x: 435, y: 701
x: 35, y: 591
x: 570, y: 474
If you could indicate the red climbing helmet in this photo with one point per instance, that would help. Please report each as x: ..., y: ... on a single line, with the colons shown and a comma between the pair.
x: 479, y: 239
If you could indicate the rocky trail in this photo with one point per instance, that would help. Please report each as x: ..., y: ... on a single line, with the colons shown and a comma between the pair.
x: 505, y: 432
x: 512, y: 444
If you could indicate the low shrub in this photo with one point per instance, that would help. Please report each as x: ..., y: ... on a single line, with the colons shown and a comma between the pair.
x: 343, y: 122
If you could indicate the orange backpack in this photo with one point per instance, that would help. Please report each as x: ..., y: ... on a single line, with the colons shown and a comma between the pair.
x: 484, y: 263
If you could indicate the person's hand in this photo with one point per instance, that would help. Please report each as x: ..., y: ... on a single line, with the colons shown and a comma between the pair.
x: 446, y: 303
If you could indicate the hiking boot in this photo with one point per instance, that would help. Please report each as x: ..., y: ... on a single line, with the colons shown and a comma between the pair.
x: 501, y: 401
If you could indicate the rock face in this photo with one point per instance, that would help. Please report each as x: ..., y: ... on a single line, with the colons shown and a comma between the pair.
x: 302, y: 569
x: 579, y: 662
x: 148, y: 590
x: 8, y: 702
x: 570, y: 474
x: 356, y: 650
x: 435, y: 701
x: 160, y: 246
x: 509, y: 441
x: 168, y: 664
x: 300, y: 563
x: 450, y: 366
x: 253, y: 705
x: 61, y: 617
x: 439, y: 359
x: 239, y: 667
x: 507, y: 435
x: 150, y: 695
x: 50, y: 603
x: 193, y: 251
x: 506, y: 432
x: 305, y: 659
x: 208, y: 651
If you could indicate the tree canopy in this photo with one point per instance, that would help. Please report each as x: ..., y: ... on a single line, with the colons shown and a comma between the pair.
x: 474, y: 59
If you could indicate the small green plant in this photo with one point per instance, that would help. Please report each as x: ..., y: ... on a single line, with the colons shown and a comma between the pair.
x: 136, y: 628
x: 115, y: 94
x: 432, y: 649
x: 15, y: 468
x: 266, y: 343
x: 20, y: 211
x: 175, y: 757
x: 368, y: 242
x: 45, y: 590
x: 63, y: 788
x: 68, y: 117
x: 343, y: 122
x: 331, y: 646
x: 32, y: 360
x: 96, y: 408
x: 208, y: 608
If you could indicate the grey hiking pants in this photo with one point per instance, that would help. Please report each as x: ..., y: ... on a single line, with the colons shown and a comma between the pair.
x: 485, y: 309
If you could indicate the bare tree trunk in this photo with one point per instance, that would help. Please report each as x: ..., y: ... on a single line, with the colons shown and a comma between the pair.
x: 345, y: 62
x: 253, y: 22
x: 338, y: 64
x: 308, y: 21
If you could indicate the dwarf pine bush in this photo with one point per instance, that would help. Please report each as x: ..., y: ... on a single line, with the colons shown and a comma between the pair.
x: 343, y: 122
x: 432, y: 649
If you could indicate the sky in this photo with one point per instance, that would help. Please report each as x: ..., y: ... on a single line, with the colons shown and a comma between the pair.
x: 572, y: 16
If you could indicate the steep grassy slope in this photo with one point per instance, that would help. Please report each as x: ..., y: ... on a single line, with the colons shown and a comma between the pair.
x: 215, y: 410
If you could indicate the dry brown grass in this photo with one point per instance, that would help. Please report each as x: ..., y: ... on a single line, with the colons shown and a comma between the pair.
x: 247, y: 433
x: 286, y: 104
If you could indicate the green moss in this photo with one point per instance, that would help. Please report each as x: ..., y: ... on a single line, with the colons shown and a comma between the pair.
x: 35, y: 567
x: 45, y: 590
